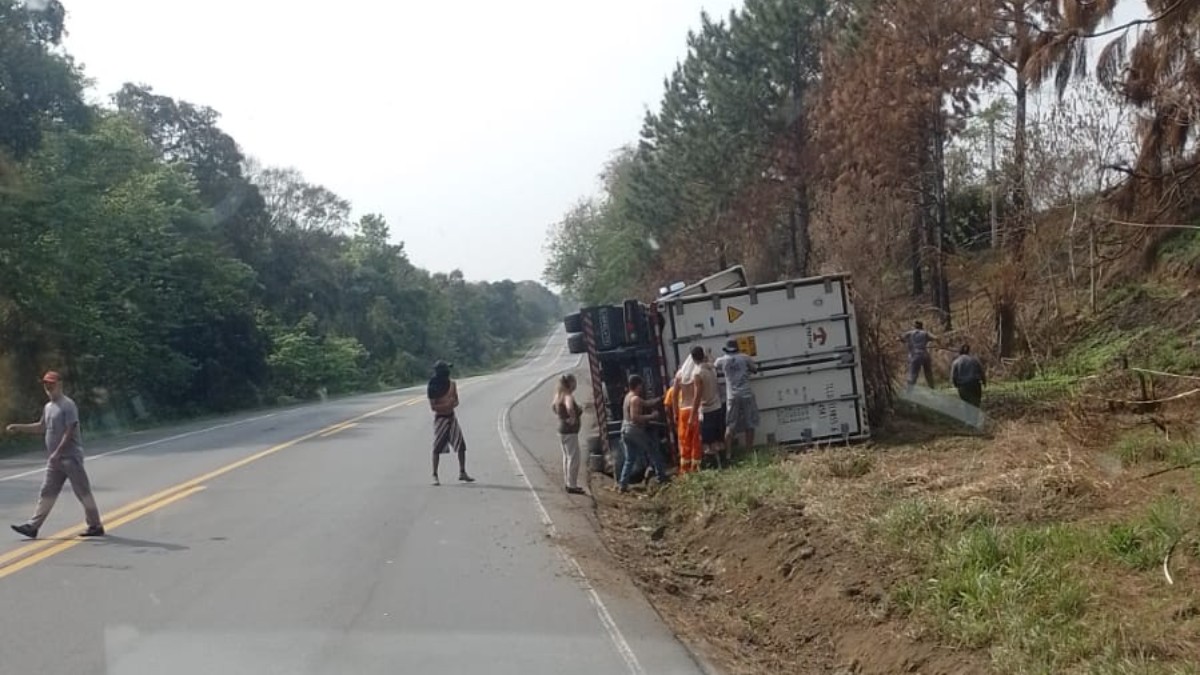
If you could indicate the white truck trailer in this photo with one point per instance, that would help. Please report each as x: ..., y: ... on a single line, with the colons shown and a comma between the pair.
x: 803, y: 335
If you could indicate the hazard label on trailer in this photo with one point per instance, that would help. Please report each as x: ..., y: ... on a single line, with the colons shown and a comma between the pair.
x: 747, y: 345
x: 733, y: 313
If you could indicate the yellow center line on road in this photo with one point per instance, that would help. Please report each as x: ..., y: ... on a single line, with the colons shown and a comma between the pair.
x: 340, y: 427
x: 60, y: 546
x: 36, y: 551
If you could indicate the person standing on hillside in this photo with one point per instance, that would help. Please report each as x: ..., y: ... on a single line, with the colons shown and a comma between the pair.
x: 443, y: 400
x: 917, y: 340
x: 60, y: 424
x: 569, y: 415
x: 741, y: 408
x: 968, y: 376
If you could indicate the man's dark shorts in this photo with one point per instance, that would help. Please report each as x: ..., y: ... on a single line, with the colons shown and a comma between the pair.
x: 712, y: 427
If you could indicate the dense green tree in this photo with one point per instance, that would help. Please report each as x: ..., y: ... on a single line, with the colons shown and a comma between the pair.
x: 719, y: 174
x: 142, y: 253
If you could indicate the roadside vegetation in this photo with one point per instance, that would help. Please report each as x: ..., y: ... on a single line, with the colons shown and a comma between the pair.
x: 168, y: 275
x: 1019, y: 174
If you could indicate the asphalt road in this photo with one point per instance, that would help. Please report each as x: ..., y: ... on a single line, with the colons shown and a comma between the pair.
x: 310, y: 540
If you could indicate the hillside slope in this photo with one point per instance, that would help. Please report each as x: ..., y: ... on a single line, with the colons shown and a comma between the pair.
x: 1043, y: 544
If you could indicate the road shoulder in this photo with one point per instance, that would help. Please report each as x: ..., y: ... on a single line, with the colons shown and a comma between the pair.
x: 578, y: 530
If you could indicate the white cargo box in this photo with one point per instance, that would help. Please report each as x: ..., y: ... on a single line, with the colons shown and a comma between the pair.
x: 734, y: 277
x: 804, y: 337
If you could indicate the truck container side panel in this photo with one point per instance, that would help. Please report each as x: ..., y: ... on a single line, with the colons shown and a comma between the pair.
x: 783, y: 343
x: 736, y: 312
x: 802, y: 333
x: 860, y: 388
x: 671, y: 352
x: 741, y: 311
x: 814, y: 406
x: 734, y: 277
x: 818, y: 307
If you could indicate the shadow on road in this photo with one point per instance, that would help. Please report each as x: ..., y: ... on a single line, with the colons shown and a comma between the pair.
x: 113, y: 540
x: 489, y: 486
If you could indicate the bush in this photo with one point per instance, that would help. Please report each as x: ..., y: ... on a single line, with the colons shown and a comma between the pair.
x: 304, y: 363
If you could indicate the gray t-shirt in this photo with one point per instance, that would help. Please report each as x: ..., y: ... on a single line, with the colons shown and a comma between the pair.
x: 58, y: 416
x: 918, y: 342
x: 737, y: 369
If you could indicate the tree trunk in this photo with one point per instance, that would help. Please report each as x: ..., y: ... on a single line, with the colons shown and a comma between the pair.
x: 994, y: 212
x: 801, y: 240
x: 1014, y: 240
x: 941, y: 217
x: 914, y: 251
x: 1019, y: 196
x: 1092, y: 266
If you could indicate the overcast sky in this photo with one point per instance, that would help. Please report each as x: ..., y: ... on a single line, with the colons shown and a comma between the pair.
x: 471, y: 126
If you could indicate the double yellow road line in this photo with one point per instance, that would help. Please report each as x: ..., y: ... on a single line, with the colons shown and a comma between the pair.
x: 41, y: 549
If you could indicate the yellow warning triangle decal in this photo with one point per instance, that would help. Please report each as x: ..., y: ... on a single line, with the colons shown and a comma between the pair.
x: 733, y: 313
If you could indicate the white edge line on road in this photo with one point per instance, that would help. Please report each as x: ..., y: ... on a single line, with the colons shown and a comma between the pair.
x: 147, y: 444
x: 504, y: 428
x: 186, y: 434
x: 225, y: 425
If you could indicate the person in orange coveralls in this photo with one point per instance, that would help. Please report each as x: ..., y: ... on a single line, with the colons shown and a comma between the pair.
x: 688, y: 408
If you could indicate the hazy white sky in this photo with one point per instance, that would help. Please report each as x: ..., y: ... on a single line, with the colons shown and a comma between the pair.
x: 471, y: 125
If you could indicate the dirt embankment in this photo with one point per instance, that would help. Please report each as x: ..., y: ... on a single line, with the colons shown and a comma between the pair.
x: 931, y: 551
x: 776, y: 592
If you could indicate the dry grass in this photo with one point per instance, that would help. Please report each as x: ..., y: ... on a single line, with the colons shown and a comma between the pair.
x: 1024, y: 543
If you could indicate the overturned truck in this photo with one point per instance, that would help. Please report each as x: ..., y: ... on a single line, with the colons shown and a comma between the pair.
x: 802, y: 333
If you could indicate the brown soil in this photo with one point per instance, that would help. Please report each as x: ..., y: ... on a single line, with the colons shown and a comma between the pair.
x: 802, y: 588
x: 775, y: 592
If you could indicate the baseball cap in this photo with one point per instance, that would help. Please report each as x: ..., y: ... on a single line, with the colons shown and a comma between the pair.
x: 51, y: 377
x: 731, y: 347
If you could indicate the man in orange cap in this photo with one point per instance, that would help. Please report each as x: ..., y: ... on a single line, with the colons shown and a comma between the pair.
x: 60, y: 424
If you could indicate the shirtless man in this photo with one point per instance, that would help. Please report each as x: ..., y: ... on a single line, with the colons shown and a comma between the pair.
x: 638, y: 442
x: 443, y: 399
x: 690, y: 397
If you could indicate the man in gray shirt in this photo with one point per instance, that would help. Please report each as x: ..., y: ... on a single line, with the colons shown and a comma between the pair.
x: 60, y: 424
x: 741, y: 414
x: 917, y: 340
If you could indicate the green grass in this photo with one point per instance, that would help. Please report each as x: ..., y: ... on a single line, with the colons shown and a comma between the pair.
x: 1174, y: 354
x: 1029, y: 594
x: 1150, y: 445
x: 741, y: 489
x: 1182, y: 248
x: 1141, y: 544
x: 1041, y: 389
x: 1100, y: 352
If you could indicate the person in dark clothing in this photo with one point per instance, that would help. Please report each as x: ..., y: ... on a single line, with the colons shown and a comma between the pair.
x: 443, y: 399
x: 968, y: 376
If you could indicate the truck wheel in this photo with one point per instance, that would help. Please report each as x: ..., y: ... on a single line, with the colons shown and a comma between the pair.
x: 573, y: 323
x: 594, y: 446
x: 575, y: 344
